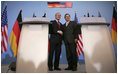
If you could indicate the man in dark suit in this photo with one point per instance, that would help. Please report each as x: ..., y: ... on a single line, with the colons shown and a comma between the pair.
x: 69, y: 40
x: 55, y: 42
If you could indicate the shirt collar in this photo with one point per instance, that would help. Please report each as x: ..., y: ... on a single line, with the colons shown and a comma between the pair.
x: 68, y: 22
x: 57, y: 20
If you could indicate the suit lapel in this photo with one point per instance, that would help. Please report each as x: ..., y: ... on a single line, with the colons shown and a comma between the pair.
x: 65, y: 25
x: 69, y: 24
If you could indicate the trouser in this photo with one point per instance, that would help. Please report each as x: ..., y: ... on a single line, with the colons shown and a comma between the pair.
x: 71, y: 54
x: 55, y: 47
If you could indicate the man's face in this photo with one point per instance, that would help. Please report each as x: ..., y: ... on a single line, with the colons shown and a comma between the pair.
x: 58, y: 16
x: 67, y: 18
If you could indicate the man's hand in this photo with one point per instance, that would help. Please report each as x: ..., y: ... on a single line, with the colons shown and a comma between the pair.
x: 60, y: 32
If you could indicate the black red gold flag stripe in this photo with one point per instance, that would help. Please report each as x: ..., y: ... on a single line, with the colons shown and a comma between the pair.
x: 59, y: 4
x: 15, y: 34
x: 114, y: 26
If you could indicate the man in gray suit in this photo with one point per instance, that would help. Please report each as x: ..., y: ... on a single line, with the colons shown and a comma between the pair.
x: 69, y: 40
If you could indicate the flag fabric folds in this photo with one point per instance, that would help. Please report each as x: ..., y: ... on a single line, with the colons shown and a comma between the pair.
x: 114, y: 26
x: 59, y: 4
x: 15, y: 34
x: 48, y: 45
x: 79, y: 43
x: 4, y: 30
x: 75, y: 18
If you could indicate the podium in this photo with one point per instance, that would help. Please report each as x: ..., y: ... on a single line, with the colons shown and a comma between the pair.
x: 97, y: 45
x: 33, y: 46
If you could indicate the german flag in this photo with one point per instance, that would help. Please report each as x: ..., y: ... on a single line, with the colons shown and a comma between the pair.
x: 59, y: 4
x: 15, y: 34
x: 114, y: 26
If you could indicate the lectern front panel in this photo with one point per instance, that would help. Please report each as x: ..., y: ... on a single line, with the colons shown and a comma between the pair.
x: 98, y: 50
x: 33, y: 48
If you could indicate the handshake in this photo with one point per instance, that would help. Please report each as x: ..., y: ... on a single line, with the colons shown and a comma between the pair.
x: 60, y: 32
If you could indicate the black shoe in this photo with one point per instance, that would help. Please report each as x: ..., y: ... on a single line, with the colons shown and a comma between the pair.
x: 68, y: 68
x: 50, y: 69
x: 74, y: 69
x: 57, y: 69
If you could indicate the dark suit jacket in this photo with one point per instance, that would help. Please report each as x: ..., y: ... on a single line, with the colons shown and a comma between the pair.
x: 69, y: 31
x: 77, y: 31
x: 53, y: 28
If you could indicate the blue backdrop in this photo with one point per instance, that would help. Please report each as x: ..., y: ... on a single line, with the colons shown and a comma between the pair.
x: 39, y: 7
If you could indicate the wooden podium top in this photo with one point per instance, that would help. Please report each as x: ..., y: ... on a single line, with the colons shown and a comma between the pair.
x: 35, y: 20
x: 93, y: 21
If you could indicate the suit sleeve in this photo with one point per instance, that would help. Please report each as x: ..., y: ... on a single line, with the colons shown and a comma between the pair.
x: 55, y: 29
x: 50, y: 27
x: 62, y: 29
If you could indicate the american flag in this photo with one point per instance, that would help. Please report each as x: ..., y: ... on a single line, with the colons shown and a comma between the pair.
x: 4, y: 31
x: 79, y: 43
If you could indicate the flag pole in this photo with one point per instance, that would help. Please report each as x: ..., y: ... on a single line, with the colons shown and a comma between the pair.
x: 75, y: 11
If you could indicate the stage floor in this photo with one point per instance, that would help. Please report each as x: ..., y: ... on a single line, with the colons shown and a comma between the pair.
x: 80, y: 69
